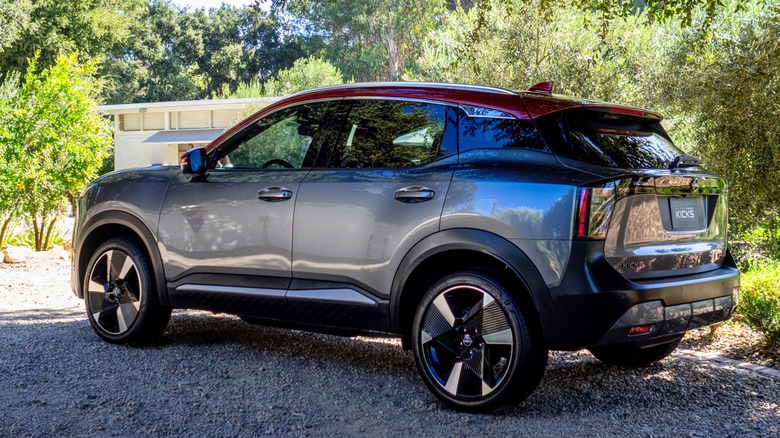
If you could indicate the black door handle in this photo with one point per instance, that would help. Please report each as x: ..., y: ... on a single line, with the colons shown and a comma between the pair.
x: 414, y: 194
x: 274, y: 194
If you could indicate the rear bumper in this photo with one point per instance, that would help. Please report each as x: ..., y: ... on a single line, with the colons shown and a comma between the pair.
x: 595, y: 305
x: 661, y: 321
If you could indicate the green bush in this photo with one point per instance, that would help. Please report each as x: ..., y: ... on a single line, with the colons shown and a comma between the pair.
x: 26, y: 237
x: 760, y: 299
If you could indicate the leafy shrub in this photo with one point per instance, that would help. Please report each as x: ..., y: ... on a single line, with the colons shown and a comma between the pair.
x: 26, y: 237
x: 760, y: 299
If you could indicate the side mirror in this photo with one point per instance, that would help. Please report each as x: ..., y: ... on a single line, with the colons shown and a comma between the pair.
x: 194, y: 162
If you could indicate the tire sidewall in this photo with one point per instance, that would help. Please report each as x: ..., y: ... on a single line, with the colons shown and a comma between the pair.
x: 135, y: 331
x: 509, y: 389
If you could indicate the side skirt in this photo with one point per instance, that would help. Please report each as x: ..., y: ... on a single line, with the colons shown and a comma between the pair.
x: 334, y: 307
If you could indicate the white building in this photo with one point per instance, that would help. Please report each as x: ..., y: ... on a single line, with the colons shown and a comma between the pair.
x: 158, y: 133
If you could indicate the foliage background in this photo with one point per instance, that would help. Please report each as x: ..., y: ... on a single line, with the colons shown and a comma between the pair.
x: 711, y: 66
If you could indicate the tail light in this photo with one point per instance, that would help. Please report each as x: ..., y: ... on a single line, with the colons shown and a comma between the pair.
x: 596, y: 204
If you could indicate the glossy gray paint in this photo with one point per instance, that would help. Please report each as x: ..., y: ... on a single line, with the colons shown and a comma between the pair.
x: 524, y: 196
x: 350, y: 227
x: 138, y: 192
x: 133, y: 194
x: 221, y: 225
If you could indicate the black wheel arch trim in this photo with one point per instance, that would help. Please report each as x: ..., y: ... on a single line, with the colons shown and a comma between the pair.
x: 141, y: 230
x: 484, y: 242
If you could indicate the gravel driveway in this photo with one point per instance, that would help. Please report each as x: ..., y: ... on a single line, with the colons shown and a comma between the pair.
x: 214, y: 375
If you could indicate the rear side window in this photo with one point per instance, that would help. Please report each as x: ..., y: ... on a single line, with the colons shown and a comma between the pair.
x: 608, y: 139
x: 389, y: 133
x: 478, y: 132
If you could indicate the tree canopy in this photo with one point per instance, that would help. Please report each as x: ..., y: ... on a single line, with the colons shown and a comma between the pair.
x: 709, y: 65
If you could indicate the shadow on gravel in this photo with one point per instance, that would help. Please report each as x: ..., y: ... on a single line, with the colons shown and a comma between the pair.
x: 29, y: 315
x: 331, y: 349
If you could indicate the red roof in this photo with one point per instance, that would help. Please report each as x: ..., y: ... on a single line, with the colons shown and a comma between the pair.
x: 524, y: 105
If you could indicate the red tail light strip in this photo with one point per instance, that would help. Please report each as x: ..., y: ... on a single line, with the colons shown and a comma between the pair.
x: 582, y: 222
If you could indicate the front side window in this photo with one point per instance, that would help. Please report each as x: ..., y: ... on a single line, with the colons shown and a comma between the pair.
x: 288, y: 138
x: 389, y: 133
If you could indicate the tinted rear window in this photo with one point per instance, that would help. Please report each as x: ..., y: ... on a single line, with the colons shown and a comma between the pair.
x: 608, y: 139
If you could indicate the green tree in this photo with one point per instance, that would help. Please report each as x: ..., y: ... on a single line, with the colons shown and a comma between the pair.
x: 367, y: 39
x: 9, y: 177
x: 305, y: 73
x: 175, y: 54
x: 14, y: 19
x: 518, y: 47
x: 148, y: 69
x: 725, y: 96
x: 89, y: 26
x: 53, y: 142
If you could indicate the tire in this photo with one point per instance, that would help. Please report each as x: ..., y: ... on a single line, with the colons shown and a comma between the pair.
x: 629, y: 355
x: 473, y: 344
x: 120, y: 294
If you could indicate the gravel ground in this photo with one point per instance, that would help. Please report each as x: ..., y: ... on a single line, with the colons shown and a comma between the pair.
x: 735, y: 340
x: 214, y: 375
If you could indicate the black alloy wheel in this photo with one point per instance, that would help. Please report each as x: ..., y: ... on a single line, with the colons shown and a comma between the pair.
x: 473, y: 345
x: 120, y: 296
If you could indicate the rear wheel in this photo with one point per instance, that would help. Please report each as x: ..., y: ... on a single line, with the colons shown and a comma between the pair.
x: 120, y: 294
x: 629, y: 355
x: 473, y: 345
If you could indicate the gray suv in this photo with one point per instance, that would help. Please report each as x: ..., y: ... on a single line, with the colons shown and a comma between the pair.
x: 482, y: 226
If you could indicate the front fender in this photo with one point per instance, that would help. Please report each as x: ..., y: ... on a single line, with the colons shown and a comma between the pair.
x: 101, y: 227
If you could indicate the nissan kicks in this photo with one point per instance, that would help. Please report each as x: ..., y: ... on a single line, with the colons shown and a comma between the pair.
x: 484, y: 227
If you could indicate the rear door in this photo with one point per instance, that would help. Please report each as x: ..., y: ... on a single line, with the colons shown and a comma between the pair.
x: 379, y: 188
x: 226, y: 240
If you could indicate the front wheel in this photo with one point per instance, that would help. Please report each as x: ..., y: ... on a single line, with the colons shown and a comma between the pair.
x: 629, y: 355
x: 473, y: 344
x: 120, y: 294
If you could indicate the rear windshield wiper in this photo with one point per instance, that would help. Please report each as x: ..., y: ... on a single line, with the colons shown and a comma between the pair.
x: 685, y: 160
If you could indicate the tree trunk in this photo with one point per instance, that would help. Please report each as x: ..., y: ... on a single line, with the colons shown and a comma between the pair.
x: 48, y: 233
x: 392, y: 53
x: 4, y: 230
x: 37, y: 233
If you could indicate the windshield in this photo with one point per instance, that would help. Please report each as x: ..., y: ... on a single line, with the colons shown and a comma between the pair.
x: 609, y: 139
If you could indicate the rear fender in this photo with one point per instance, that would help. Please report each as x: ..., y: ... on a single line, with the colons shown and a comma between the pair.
x: 485, y: 243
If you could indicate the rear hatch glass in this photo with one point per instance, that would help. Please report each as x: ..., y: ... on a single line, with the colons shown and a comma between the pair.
x: 607, y: 138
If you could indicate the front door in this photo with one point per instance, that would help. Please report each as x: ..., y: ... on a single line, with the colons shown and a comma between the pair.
x: 226, y: 240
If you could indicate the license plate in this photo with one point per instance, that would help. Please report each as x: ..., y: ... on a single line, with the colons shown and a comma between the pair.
x: 687, y: 213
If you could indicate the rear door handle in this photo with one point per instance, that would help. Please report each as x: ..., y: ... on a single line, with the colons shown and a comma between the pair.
x: 274, y: 194
x: 414, y: 194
